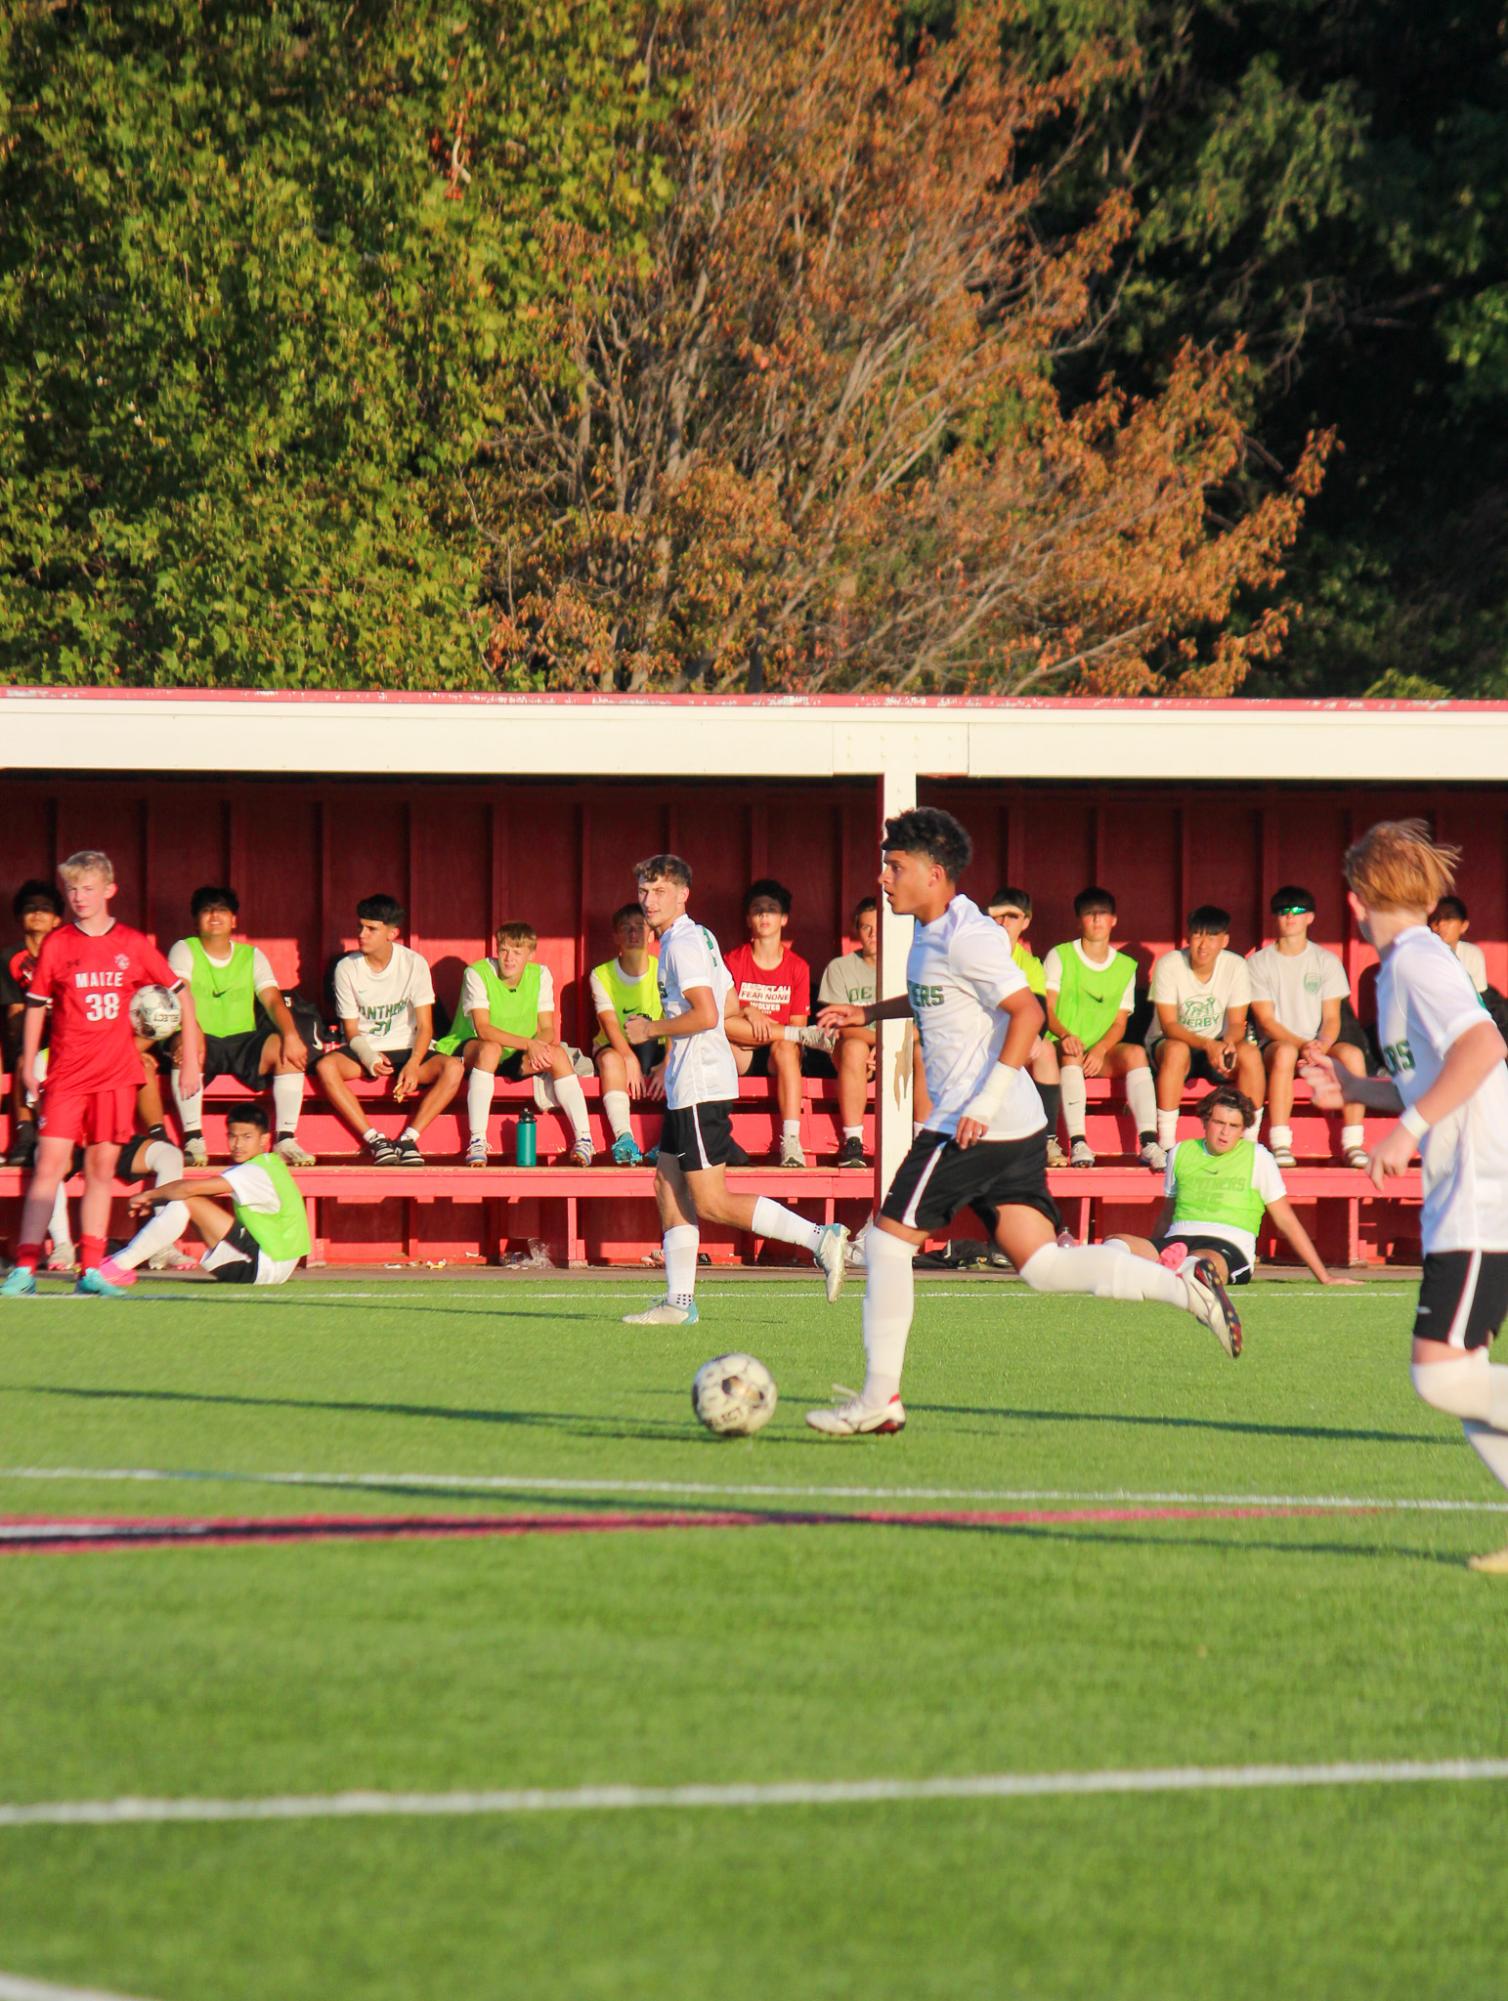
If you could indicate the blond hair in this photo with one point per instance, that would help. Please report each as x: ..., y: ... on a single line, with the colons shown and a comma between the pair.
x: 1396, y: 866
x: 88, y: 861
x: 517, y: 932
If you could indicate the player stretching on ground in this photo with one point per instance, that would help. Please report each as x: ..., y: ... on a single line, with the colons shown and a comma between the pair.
x: 1446, y: 1077
x: 701, y: 1085
x: 86, y: 973
x: 985, y: 1142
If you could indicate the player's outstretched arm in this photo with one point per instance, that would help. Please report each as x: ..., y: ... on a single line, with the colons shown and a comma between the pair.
x: 1285, y: 1220
x: 1378, y: 1094
x: 177, y: 1191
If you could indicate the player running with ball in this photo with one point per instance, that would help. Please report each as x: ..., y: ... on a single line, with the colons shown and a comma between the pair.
x: 985, y: 1141
x: 1446, y: 1079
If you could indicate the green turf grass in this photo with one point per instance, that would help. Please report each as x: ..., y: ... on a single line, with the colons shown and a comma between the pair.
x: 769, y: 1654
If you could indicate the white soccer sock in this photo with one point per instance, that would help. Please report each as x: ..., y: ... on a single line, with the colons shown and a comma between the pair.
x: 1280, y: 1136
x: 791, y: 1129
x: 1075, y: 1100
x: 889, y: 1301
x: 572, y: 1101
x: 287, y: 1103
x: 163, y: 1227
x: 1104, y: 1271
x: 773, y: 1219
x: 57, y: 1223
x: 1256, y: 1125
x: 615, y: 1107
x: 1490, y: 1446
x: 853, y: 1132
x: 1167, y: 1127
x: 190, y: 1109
x: 1469, y: 1389
x: 1141, y: 1096
x: 1352, y: 1136
x: 681, y: 1243
x: 165, y: 1160
x: 479, y: 1091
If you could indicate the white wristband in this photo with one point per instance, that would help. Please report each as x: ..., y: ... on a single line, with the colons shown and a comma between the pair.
x: 365, y: 1051
x: 1414, y: 1121
x: 991, y: 1096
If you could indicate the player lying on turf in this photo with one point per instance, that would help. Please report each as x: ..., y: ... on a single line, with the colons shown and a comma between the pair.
x: 701, y: 1085
x: 1446, y: 1079
x: 257, y: 1240
x: 1218, y: 1188
x: 985, y: 1143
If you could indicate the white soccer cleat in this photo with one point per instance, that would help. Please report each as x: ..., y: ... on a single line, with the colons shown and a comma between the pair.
x: 856, y: 1419
x: 476, y: 1152
x: 831, y: 1258
x: 1211, y: 1307
x: 195, y: 1152
x: 1081, y: 1154
x: 664, y: 1313
x: 1153, y: 1156
x: 1495, y: 1564
x: 289, y: 1150
x: 791, y: 1154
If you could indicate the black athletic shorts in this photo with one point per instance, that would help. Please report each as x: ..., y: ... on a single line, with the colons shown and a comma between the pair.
x: 397, y: 1057
x: 701, y: 1136
x: 938, y: 1178
x: 1201, y: 1070
x: 243, y: 1270
x: 238, y: 1056
x: 1463, y: 1297
x: 1237, y: 1263
x: 131, y: 1164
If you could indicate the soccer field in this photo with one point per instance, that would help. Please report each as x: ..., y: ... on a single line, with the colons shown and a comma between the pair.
x: 1120, y: 1600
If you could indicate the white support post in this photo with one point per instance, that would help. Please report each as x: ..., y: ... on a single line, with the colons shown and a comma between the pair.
x: 892, y: 1070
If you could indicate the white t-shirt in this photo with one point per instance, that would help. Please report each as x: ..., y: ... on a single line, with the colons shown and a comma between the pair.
x: 252, y: 1187
x: 1266, y: 1178
x: 699, y: 1069
x: 1052, y: 970
x: 958, y: 971
x: 847, y: 982
x: 474, y: 992
x: 1472, y: 957
x: 1202, y: 1004
x: 383, y: 1004
x: 181, y: 959
x: 1425, y: 1004
x: 1297, y: 985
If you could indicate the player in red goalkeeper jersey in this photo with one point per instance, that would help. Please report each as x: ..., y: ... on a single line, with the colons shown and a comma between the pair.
x: 86, y: 973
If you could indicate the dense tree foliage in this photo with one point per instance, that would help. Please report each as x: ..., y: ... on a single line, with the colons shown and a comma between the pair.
x: 613, y: 343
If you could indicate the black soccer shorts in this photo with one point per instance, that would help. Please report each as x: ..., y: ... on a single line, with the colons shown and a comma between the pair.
x: 1463, y: 1297
x: 938, y: 1178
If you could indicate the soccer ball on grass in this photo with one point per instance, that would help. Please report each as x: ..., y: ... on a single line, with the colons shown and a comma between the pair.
x: 155, y: 1012
x: 734, y: 1395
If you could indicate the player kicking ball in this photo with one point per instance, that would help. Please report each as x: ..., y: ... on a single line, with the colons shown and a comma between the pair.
x: 701, y: 1085
x: 1446, y: 1079
x: 985, y: 1141
x: 257, y: 1240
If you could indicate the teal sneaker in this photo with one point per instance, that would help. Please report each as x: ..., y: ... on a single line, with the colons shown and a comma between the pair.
x: 94, y: 1287
x: 626, y: 1151
x: 19, y: 1283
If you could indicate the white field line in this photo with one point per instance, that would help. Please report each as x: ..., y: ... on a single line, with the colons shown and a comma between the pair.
x: 314, y: 1294
x: 525, y: 1483
x: 14, y: 1988
x: 800, y: 1792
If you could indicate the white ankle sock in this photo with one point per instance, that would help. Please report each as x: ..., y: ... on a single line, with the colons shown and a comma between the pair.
x: 681, y: 1242
x: 889, y: 1301
x: 1074, y: 1101
x: 791, y: 1129
x: 479, y: 1088
x: 773, y: 1219
x: 573, y: 1103
x: 1256, y: 1125
x: 165, y: 1226
x: 1167, y: 1127
x: 410, y: 1132
x: 287, y: 1103
x: 1352, y: 1136
x: 1141, y: 1096
x: 1280, y: 1136
x: 615, y: 1108
x: 854, y: 1132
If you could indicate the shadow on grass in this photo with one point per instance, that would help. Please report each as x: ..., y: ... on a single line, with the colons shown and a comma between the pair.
x: 1243, y: 1427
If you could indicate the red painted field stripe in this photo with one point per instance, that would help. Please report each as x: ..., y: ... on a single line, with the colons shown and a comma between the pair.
x: 42, y: 1534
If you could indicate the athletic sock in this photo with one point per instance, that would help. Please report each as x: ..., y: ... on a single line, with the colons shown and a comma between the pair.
x: 681, y: 1242
x: 91, y: 1251
x: 572, y: 1101
x: 58, y: 1226
x: 1075, y: 1100
x: 1105, y: 1272
x: 479, y: 1089
x: 1141, y: 1096
x: 28, y: 1257
x: 790, y: 1131
x: 1278, y: 1136
x: 773, y: 1219
x: 1167, y: 1127
x: 1490, y: 1446
x: 163, y: 1227
x: 615, y: 1109
x: 165, y: 1160
x: 918, y: 1126
x: 1256, y: 1126
x: 287, y: 1103
x: 889, y: 1301
x: 854, y: 1132
x: 410, y: 1132
x: 1052, y: 1099
x: 190, y: 1107
x: 371, y: 1135
x: 1352, y: 1136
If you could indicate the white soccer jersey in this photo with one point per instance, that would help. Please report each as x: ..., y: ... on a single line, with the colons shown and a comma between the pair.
x: 383, y: 1005
x: 1202, y: 1005
x: 959, y: 969
x: 699, y: 1069
x: 1474, y: 959
x: 1425, y: 1004
x: 1297, y: 985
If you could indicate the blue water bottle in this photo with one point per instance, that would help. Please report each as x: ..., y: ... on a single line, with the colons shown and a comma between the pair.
x: 525, y: 1139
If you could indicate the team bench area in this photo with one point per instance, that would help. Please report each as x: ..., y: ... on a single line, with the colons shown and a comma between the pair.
x: 363, y: 1214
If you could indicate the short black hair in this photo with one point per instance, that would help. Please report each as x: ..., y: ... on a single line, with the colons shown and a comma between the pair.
x: 926, y: 830
x: 248, y: 1115
x: 1209, y: 917
x: 670, y: 868
x: 1010, y: 894
x: 381, y: 910
x: 33, y: 892
x: 624, y: 911
x: 1292, y: 896
x: 214, y: 896
x: 865, y: 903
x: 1226, y: 1098
x: 1447, y: 908
x: 768, y: 886
x: 1091, y: 899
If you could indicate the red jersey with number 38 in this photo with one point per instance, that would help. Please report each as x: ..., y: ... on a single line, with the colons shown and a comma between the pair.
x: 89, y: 982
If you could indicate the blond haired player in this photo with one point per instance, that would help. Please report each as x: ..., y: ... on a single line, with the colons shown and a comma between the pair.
x: 1447, y: 1081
